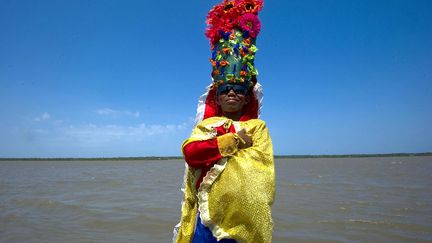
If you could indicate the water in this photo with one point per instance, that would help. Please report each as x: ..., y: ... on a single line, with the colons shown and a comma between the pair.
x: 317, y: 200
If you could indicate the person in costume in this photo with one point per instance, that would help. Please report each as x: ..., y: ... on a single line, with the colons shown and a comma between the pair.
x: 229, y: 177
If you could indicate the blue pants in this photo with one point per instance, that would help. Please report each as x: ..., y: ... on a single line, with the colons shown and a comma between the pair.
x: 204, y: 235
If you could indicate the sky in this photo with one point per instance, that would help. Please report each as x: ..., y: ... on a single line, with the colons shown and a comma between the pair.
x: 112, y: 78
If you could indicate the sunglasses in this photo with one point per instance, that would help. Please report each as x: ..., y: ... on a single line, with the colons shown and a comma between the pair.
x: 226, y: 88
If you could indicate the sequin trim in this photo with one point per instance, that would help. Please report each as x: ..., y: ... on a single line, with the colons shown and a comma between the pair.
x: 203, y: 207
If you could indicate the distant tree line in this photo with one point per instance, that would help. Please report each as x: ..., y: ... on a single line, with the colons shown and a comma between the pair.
x: 180, y: 157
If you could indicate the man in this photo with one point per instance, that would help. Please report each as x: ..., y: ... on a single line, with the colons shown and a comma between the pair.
x: 229, y: 177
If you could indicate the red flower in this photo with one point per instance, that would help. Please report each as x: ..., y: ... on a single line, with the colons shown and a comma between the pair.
x: 250, y: 22
x: 213, y: 35
x: 247, y: 42
x: 224, y: 63
x: 213, y: 62
x: 221, y: 17
x: 228, y: 6
x: 250, y: 6
x: 231, y: 14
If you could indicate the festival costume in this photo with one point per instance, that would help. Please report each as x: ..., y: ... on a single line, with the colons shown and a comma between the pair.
x: 228, y: 191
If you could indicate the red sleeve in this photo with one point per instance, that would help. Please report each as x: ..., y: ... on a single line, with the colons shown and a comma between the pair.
x: 200, y: 154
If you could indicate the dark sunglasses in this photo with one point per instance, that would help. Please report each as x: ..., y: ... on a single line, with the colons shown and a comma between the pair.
x: 237, y: 88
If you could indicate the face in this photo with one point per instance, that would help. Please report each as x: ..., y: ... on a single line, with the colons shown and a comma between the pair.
x: 231, y: 100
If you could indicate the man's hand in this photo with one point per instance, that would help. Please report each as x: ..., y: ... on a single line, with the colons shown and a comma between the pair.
x: 247, y: 139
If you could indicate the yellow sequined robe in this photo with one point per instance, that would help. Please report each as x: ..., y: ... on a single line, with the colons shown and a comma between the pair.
x: 235, y: 197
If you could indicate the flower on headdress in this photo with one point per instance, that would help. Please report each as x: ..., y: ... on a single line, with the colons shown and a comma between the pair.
x: 251, y: 6
x: 215, y: 14
x: 226, y: 50
x: 231, y: 14
x: 242, y: 52
x: 213, y: 35
x: 250, y: 23
x: 245, y: 49
x: 224, y: 63
x: 230, y: 77
x: 253, y: 49
x: 221, y: 17
x: 213, y: 62
x: 228, y: 6
x: 247, y: 42
x: 213, y: 22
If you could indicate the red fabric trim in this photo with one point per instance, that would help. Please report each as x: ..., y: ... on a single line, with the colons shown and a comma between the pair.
x: 204, y: 154
x: 211, y: 107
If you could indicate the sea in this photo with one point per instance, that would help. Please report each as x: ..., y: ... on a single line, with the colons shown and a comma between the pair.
x: 365, y: 199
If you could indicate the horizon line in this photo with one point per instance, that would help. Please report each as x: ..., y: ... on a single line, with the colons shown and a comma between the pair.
x: 181, y: 157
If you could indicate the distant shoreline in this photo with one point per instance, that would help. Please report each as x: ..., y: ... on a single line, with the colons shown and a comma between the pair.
x: 179, y: 157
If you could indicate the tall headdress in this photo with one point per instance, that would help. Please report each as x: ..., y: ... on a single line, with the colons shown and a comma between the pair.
x: 232, y: 28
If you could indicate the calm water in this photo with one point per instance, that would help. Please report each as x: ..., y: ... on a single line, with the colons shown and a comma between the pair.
x: 318, y: 200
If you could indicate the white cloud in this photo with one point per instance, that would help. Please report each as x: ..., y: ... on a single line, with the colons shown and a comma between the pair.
x: 58, y: 122
x: 108, y: 111
x: 45, y: 116
x: 52, y: 137
x: 106, y: 133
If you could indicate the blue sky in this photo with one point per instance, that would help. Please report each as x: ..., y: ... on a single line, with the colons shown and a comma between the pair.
x: 107, y: 78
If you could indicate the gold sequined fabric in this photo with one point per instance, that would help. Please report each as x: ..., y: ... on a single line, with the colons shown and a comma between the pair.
x: 235, y: 197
